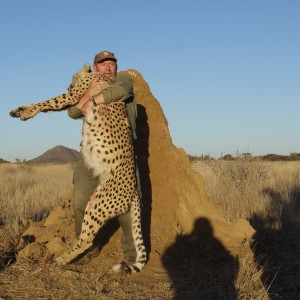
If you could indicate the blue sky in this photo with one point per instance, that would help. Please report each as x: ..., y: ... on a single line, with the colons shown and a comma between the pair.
x: 226, y: 73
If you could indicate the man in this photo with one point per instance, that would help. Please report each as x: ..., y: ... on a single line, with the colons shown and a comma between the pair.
x: 84, y: 183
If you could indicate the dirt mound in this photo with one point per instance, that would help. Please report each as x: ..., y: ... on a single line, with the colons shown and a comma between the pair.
x: 174, y: 199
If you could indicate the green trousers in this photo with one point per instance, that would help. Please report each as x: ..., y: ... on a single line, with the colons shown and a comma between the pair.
x: 84, y: 186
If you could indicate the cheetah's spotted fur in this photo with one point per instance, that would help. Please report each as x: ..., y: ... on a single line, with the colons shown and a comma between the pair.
x: 107, y: 147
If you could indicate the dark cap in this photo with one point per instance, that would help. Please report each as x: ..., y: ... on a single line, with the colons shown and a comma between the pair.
x: 104, y: 55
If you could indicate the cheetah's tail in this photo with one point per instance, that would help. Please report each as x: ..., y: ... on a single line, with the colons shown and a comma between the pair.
x: 141, y: 257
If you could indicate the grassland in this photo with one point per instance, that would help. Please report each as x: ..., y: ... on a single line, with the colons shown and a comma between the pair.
x: 268, y: 195
x: 265, y: 193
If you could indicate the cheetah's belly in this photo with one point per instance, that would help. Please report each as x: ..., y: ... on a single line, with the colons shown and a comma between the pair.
x: 107, y: 139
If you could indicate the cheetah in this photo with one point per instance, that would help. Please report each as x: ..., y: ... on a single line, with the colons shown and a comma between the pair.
x: 107, y: 148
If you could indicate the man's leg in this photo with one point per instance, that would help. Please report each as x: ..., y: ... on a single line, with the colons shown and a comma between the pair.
x: 127, y: 243
x: 84, y: 186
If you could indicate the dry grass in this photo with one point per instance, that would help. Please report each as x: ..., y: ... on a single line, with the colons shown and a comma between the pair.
x: 29, y: 193
x: 32, y: 191
x: 236, y: 185
x: 266, y: 194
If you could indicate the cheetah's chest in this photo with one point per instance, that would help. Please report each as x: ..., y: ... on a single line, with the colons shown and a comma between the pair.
x: 107, y: 138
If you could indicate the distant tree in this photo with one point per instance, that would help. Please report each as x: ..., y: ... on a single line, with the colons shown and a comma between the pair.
x: 207, y: 157
x: 18, y: 160
x: 275, y: 157
x: 247, y: 155
x: 294, y: 156
x: 227, y: 157
x: 193, y: 158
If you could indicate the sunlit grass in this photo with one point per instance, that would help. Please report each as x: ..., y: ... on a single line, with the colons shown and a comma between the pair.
x: 31, y: 191
x: 265, y: 193
x: 268, y: 195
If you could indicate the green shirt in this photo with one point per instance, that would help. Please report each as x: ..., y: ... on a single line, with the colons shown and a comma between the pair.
x: 121, y: 90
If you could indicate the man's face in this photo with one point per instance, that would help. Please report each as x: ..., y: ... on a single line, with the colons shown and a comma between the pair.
x: 107, y: 67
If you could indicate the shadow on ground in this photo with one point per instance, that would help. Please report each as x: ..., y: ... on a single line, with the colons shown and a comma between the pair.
x: 277, y: 245
x: 199, y: 266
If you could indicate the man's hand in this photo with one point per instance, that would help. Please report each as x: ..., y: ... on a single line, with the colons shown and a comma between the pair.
x: 86, y: 107
x: 97, y: 87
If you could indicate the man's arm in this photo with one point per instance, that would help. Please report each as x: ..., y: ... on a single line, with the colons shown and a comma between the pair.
x: 121, y: 90
x: 74, y: 112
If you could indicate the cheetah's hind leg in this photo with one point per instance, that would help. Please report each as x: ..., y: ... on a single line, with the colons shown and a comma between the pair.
x: 91, y: 224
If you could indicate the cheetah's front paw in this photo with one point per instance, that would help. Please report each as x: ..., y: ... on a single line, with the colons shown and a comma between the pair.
x: 61, y: 260
x: 25, y: 112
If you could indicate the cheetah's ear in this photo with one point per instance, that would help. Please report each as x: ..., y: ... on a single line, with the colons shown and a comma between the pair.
x: 87, y: 68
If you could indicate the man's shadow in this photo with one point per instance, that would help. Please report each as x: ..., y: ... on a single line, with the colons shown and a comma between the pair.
x: 199, y: 266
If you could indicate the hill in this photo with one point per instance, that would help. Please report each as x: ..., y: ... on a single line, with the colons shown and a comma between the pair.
x: 58, y: 154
